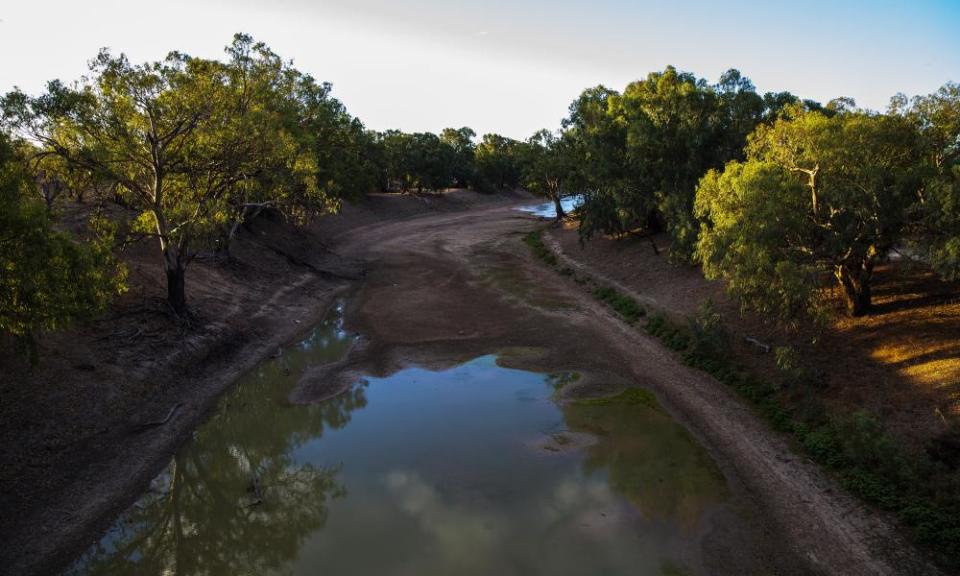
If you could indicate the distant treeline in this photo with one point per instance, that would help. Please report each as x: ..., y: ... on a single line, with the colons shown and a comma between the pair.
x: 771, y: 192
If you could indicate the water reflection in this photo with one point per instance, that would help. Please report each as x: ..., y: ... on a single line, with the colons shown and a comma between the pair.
x: 234, y: 500
x: 420, y: 472
x: 649, y: 458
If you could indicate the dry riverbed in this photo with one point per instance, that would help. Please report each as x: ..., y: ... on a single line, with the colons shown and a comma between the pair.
x: 434, y: 287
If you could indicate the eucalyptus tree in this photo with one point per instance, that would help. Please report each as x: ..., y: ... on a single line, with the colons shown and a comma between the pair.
x: 302, y: 151
x: 645, y: 149
x: 48, y: 278
x: 818, y: 196
x: 550, y: 167
x: 739, y: 112
x: 431, y: 162
x: 498, y: 161
x: 188, y: 141
x: 599, y: 135
x: 775, y: 102
x: 460, y: 142
x: 420, y: 161
x: 936, y: 230
x: 670, y: 144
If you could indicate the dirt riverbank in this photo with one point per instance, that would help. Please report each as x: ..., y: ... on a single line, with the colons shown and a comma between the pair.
x: 440, y: 285
x: 452, y: 287
x: 82, y: 433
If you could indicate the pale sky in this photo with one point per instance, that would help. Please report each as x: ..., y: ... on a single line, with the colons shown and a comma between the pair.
x: 507, y: 66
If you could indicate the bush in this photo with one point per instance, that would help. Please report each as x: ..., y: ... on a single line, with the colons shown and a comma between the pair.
x: 535, y: 241
x: 48, y: 279
x: 622, y: 304
x: 869, y: 462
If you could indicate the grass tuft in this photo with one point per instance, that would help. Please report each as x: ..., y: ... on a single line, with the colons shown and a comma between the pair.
x: 535, y: 241
x: 629, y: 397
x: 622, y: 304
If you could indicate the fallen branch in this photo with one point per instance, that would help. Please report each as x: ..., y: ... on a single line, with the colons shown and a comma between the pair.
x: 248, y: 213
x: 165, y: 419
x: 296, y: 260
x: 765, y: 348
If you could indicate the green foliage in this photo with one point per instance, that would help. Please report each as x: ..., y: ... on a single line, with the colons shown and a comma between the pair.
x: 672, y: 335
x: 791, y: 365
x: 818, y: 196
x: 499, y: 162
x: 460, y: 142
x: 622, y: 304
x: 707, y: 329
x: 937, y: 228
x: 424, y: 161
x: 615, y: 210
x: 535, y: 241
x: 629, y: 397
x: 867, y: 460
x: 421, y: 161
x: 47, y: 278
x: 194, y: 143
x: 645, y: 149
x: 549, y: 166
x: 749, y: 210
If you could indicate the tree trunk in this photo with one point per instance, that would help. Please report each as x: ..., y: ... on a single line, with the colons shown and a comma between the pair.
x: 176, y: 274
x: 856, y: 287
x: 559, y: 208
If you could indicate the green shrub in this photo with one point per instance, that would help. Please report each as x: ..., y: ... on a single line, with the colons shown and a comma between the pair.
x: 621, y: 303
x: 670, y: 334
x: 535, y: 241
x: 629, y: 397
x: 869, y: 463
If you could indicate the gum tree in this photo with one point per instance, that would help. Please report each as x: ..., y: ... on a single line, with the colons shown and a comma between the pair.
x: 817, y: 197
x: 48, y: 279
x: 550, y: 167
x: 460, y: 140
x: 937, y: 229
x: 189, y: 142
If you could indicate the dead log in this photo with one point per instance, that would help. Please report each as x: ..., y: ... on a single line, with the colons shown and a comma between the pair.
x: 165, y: 419
x: 765, y: 348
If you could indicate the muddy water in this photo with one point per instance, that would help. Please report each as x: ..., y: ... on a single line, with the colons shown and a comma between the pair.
x: 472, y: 470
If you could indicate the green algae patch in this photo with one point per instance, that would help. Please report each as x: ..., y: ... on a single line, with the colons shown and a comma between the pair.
x: 629, y: 397
x: 647, y: 457
x: 560, y: 380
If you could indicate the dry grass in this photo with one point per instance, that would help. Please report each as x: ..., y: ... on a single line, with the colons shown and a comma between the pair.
x: 913, y: 334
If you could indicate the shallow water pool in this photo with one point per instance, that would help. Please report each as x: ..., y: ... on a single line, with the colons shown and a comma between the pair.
x: 549, y: 210
x: 471, y: 470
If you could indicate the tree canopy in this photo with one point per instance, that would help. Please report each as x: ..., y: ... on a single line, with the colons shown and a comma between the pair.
x: 550, y: 167
x: 192, y: 143
x: 937, y: 226
x: 817, y: 195
x: 48, y: 279
x: 199, y: 146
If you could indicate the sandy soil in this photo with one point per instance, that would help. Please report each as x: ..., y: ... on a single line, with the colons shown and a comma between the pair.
x: 442, y: 285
